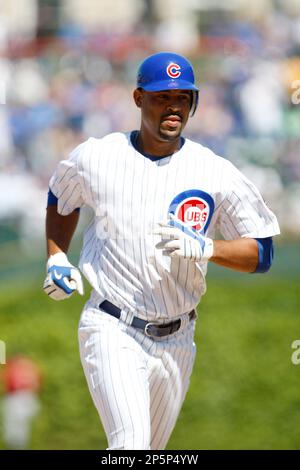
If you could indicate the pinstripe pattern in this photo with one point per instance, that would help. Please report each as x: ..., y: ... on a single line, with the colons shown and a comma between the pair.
x: 130, y: 194
x: 138, y: 385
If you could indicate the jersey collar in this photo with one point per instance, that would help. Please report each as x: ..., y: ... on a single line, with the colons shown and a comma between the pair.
x: 153, y: 158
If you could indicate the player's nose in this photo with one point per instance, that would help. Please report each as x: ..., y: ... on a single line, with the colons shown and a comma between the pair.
x: 174, y: 103
x: 172, y: 109
x: 174, y: 106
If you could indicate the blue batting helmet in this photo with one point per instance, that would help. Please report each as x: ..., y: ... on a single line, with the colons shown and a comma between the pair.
x: 168, y: 71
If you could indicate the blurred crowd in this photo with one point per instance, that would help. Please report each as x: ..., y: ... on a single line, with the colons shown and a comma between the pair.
x: 58, y: 90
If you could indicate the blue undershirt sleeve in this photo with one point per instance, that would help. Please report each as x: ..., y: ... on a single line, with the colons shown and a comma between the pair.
x: 52, y: 200
x: 265, y: 254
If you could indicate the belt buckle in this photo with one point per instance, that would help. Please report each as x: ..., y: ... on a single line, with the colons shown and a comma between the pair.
x: 157, y: 325
x: 146, y: 329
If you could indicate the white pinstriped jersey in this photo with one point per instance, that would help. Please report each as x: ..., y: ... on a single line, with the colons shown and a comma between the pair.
x: 130, y: 194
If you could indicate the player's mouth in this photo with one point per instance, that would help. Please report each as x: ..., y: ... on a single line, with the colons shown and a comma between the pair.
x: 172, y: 120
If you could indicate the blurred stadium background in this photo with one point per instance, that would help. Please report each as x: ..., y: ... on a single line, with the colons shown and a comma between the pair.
x: 67, y: 71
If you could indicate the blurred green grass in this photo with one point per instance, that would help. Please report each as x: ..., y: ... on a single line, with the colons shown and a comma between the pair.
x: 244, y: 391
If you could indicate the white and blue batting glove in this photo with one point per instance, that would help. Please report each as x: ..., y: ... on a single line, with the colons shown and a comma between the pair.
x: 182, y: 241
x: 62, y: 278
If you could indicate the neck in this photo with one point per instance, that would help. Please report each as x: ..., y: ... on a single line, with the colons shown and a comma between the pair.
x: 157, y: 147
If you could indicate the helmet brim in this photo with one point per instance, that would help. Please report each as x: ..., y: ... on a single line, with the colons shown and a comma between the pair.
x: 166, y: 85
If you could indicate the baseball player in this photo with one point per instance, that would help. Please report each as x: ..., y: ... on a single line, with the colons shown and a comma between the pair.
x: 158, y: 199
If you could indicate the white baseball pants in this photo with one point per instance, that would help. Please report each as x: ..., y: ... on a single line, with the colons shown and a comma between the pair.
x: 137, y: 383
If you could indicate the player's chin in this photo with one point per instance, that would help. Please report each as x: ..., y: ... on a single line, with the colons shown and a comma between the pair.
x: 170, y: 134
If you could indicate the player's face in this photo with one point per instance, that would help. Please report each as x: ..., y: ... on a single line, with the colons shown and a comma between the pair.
x: 164, y: 113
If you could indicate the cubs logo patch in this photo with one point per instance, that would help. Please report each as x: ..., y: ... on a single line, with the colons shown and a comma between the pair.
x: 194, y: 208
x: 173, y: 70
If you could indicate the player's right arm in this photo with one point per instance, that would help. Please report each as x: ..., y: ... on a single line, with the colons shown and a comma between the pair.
x: 62, y: 277
x: 59, y: 230
x: 64, y: 200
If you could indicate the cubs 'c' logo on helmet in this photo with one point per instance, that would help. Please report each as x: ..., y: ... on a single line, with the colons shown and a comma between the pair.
x: 173, y: 70
x: 194, y: 208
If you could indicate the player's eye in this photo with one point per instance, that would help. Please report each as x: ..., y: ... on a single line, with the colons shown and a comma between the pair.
x: 184, y: 98
x: 163, y: 97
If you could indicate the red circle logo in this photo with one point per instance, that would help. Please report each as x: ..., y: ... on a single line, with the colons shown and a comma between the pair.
x: 193, y: 212
x: 173, y: 70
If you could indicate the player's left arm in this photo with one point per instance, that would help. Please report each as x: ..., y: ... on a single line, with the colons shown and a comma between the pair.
x: 244, y: 254
x: 247, y: 224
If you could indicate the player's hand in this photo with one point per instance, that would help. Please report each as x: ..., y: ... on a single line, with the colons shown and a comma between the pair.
x: 186, y: 242
x: 62, y: 278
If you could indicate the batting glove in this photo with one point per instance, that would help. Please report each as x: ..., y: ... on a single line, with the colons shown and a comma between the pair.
x: 62, y: 278
x: 182, y: 241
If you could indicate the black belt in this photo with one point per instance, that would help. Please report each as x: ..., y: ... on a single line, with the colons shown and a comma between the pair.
x: 150, y: 329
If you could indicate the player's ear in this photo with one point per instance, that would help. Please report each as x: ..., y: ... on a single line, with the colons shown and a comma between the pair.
x: 138, y: 96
